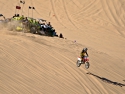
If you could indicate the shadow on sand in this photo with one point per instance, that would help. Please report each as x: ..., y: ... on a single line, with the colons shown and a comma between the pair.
x: 107, y: 80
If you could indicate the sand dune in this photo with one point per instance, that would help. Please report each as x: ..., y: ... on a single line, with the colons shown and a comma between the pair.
x: 34, y: 64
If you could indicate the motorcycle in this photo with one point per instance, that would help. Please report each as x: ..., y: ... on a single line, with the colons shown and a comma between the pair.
x: 84, y: 61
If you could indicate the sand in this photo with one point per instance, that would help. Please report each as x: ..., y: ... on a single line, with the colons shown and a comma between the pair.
x: 35, y: 64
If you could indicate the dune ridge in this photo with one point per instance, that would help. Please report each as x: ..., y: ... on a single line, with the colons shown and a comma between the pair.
x: 30, y: 63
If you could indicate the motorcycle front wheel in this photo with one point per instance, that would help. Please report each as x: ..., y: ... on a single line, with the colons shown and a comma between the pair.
x: 78, y: 63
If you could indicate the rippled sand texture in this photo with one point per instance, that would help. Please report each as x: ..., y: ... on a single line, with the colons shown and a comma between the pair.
x: 34, y: 64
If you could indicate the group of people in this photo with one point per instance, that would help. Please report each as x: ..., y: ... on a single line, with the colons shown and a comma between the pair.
x: 24, y: 23
x: 45, y: 26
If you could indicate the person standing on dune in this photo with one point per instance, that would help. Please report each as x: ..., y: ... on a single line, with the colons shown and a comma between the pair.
x: 25, y: 24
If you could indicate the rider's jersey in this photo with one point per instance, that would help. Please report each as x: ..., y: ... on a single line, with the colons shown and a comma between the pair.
x: 83, y: 54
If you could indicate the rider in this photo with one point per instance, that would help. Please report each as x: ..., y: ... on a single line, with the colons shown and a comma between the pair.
x: 84, y: 53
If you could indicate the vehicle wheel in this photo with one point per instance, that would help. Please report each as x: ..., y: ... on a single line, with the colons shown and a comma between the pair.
x: 87, y: 65
x: 33, y: 30
x: 41, y: 32
x: 78, y: 63
x: 10, y: 27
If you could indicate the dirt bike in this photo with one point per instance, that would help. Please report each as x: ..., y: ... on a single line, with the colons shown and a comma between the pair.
x: 84, y: 61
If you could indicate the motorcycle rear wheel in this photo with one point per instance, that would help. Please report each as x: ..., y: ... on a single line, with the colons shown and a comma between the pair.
x: 87, y: 65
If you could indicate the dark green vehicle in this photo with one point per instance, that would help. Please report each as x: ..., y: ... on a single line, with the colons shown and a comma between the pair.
x: 38, y: 28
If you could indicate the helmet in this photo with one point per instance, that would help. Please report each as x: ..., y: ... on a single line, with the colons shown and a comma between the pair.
x: 85, y: 49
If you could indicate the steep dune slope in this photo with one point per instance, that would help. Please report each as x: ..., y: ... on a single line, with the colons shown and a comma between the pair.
x: 35, y: 64
x: 44, y: 65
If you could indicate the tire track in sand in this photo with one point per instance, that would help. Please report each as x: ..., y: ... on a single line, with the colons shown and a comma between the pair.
x: 86, y: 7
x: 111, y: 16
x: 68, y: 14
x: 53, y: 8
